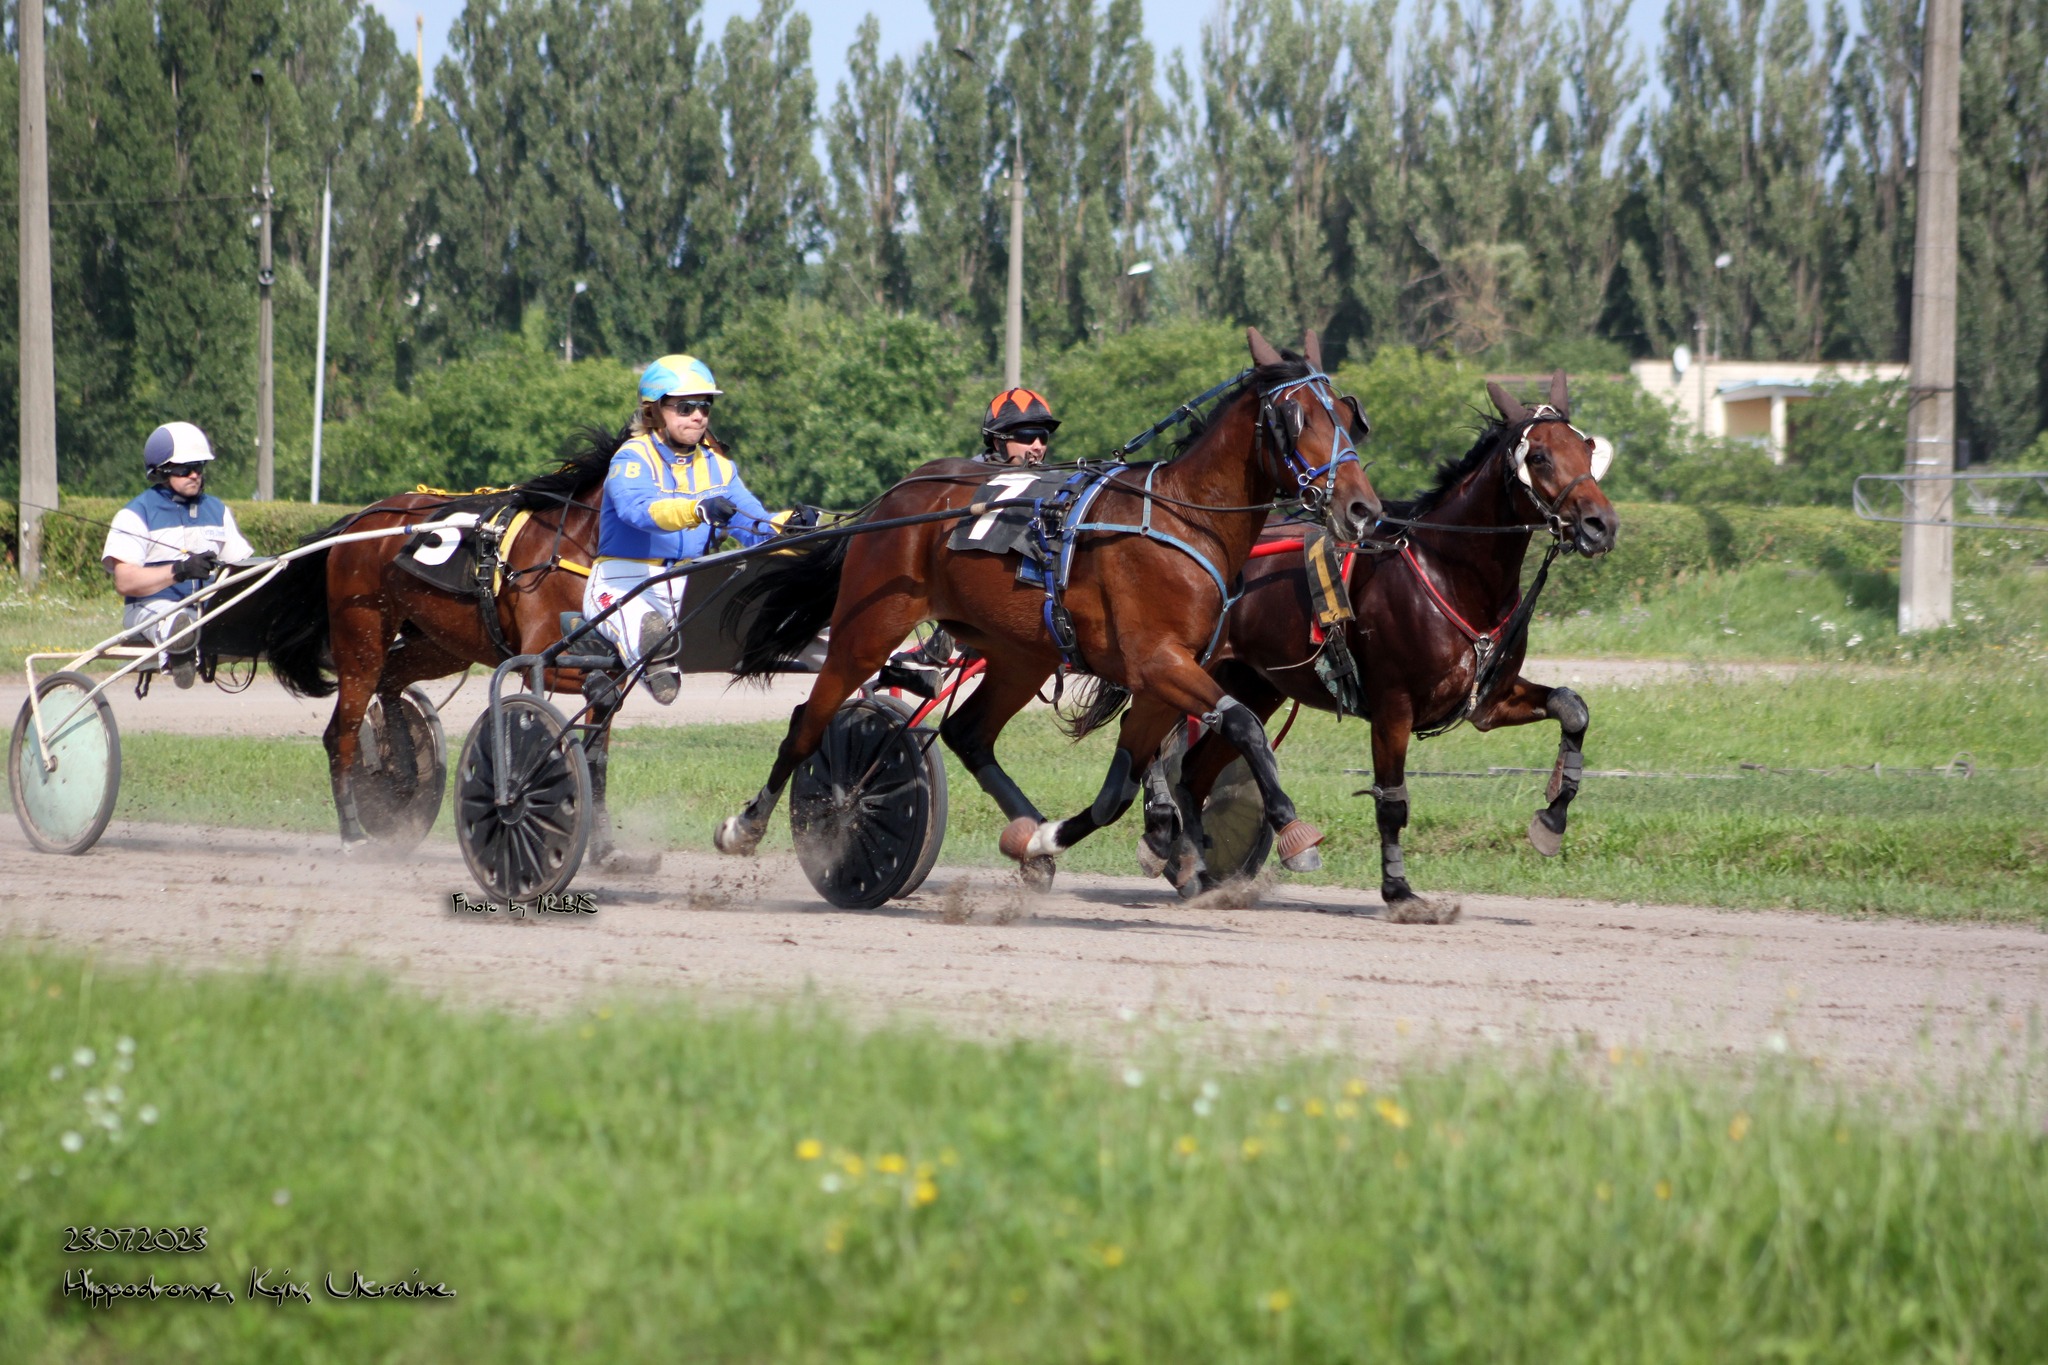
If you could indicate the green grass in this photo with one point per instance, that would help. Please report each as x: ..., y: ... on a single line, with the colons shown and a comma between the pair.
x: 1924, y: 846
x: 1785, y: 612
x: 62, y: 617
x: 631, y: 1184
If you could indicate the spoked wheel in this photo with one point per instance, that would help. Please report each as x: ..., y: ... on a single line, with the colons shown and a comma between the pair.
x: 399, y: 788
x: 863, y: 807
x: 533, y: 846
x: 64, y: 806
x: 1234, y: 818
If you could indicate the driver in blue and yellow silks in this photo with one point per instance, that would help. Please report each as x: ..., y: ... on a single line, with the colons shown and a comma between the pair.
x: 671, y: 494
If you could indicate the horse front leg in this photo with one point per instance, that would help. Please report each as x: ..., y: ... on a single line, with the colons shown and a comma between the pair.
x: 971, y: 731
x: 1392, y: 727
x: 1186, y: 687
x: 1145, y: 725
x: 1524, y: 702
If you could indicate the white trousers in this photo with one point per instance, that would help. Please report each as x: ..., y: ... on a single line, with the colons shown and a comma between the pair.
x: 611, y: 579
x: 158, y: 620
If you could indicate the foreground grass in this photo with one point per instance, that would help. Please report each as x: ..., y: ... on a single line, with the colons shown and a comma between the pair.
x: 673, y: 1185
x: 1926, y: 846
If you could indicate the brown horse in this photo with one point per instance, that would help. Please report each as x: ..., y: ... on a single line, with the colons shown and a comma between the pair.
x: 353, y: 611
x: 1433, y: 629
x: 1145, y: 600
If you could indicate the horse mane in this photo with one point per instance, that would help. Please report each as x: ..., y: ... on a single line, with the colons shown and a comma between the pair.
x: 1261, y: 377
x: 586, y: 459
x: 1451, y: 473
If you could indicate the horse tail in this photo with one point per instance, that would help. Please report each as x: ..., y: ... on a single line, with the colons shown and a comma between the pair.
x: 1100, y: 702
x: 295, y: 631
x: 789, y: 603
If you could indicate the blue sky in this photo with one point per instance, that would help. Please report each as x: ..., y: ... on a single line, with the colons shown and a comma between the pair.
x: 905, y: 25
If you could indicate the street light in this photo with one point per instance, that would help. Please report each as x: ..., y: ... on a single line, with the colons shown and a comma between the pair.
x: 1013, y: 323
x: 569, y: 327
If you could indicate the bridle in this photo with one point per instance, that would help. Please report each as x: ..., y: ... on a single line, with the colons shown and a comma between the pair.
x: 1515, y: 472
x: 1281, y: 422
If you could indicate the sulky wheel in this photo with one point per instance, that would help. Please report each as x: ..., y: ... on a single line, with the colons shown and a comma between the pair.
x: 64, y: 805
x: 862, y: 807
x: 1234, y: 818
x: 398, y: 785
x: 532, y: 846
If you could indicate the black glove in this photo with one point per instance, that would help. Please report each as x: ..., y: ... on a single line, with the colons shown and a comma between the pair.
x: 717, y: 509
x: 200, y: 565
x: 801, y: 518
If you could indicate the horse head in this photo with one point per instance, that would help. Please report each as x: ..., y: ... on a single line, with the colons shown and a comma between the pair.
x: 1311, y: 433
x: 1558, y: 467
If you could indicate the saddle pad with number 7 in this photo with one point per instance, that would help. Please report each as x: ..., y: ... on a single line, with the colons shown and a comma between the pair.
x: 1007, y: 529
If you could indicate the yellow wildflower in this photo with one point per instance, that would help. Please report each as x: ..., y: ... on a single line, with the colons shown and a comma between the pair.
x: 1390, y: 1110
x: 1313, y: 1108
x: 1112, y: 1256
x: 1279, y: 1301
x: 810, y: 1149
x: 1663, y: 1189
x: 1615, y: 1055
x: 1603, y: 1191
x: 1252, y: 1147
x: 1186, y: 1146
x: 925, y: 1193
x: 835, y: 1237
x: 853, y: 1165
x: 1356, y: 1088
x: 891, y: 1164
x: 1345, y: 1109
x: 1738, y: 1128
x: 948, y: 1157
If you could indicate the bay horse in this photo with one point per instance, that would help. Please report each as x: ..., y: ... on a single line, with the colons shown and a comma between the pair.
x: 353, y: 611
x: 1433, y: 629
x: 1145, y: 600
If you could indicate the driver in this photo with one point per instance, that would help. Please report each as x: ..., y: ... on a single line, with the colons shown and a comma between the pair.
x: 1014, y: 431
x: 1017, y: 428
x: 671, y: 494
x: 163, y: 546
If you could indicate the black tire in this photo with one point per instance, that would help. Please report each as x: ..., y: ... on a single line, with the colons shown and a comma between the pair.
x: 395, y: 818
x: 65, y: 810
x: 534, y: 846
x: 861, y: 807
x: 1234, y: 818
x: 935, y: 780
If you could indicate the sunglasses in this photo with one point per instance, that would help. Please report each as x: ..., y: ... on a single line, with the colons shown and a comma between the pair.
x: 683, y: 407
x: 179, y: 471
x: 1024, y: 436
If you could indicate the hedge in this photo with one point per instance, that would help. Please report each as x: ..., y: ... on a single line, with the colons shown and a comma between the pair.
x: 73, y: 536
x: 1659, y: 542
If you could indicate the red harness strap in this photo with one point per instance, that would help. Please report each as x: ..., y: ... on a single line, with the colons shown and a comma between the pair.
x: 1450, y: 613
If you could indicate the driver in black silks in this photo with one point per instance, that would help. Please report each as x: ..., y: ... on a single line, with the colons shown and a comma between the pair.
x: 1016, y: 430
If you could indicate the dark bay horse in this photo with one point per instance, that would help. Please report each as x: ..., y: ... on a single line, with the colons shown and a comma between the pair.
x: 356, y: 613
x: 1144, y: 609
x: 1429, y: 619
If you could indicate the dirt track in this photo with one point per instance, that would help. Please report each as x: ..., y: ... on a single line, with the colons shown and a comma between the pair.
x: 1097, y: 959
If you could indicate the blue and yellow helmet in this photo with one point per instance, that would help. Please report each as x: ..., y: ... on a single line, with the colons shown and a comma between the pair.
x: 675, y: 376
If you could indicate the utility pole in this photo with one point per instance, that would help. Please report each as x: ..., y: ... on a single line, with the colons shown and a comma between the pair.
x: 1013, y: 321
x: 36, y: 339
x: 320, y: 345
x: 1927, y: 552
x: 266, y: 452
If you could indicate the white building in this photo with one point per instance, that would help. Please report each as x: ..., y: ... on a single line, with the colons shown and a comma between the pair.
x: 1747, y: 399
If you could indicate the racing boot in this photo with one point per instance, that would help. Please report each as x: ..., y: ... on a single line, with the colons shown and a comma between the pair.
x: 660, y: 647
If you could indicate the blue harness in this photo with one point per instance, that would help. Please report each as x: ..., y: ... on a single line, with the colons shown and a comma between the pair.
x: 1060, y: 519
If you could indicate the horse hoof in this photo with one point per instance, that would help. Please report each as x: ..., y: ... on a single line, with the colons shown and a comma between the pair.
x: 1149, y: 863
x: 1196, y: 885
x: 1297, y: 847
x: 1015, y: 841
x: 1549, y: 842
x: 354, y: 843
x: 736, y: 837
x: 1419, y: 910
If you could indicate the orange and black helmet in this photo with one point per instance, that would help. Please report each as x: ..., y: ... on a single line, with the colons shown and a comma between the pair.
x: 1014, y: 408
